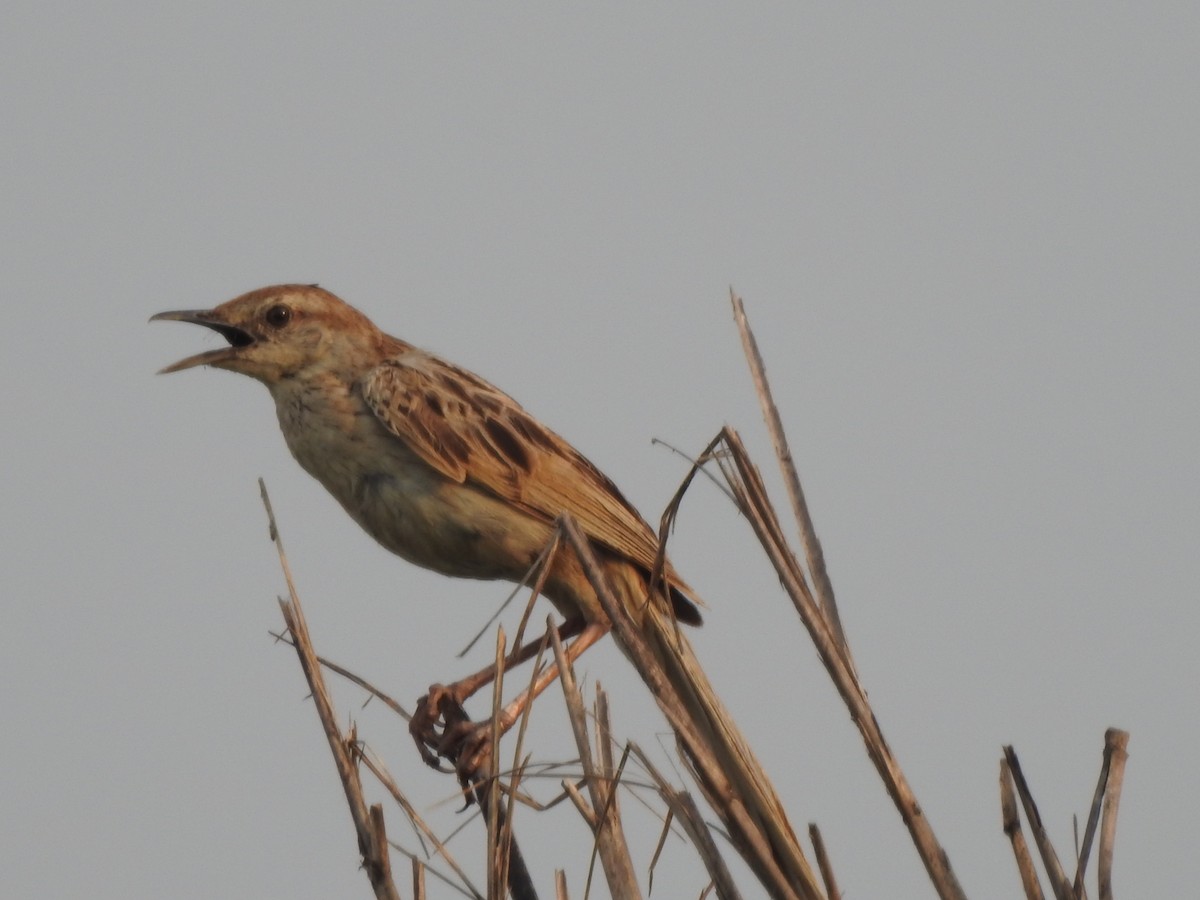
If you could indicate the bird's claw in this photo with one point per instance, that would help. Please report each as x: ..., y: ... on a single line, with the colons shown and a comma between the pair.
x: 443, y: 730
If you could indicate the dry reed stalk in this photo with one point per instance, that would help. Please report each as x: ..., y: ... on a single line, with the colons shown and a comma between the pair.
x: 1011, y: 820
x: 603, y: 815
x: 720, y: 760
x: 817, y: 607
x: 724, y: 766
x: 1089, y: 831
x: 358, y: 680
x: 418, y: 882
x: 423, y: 832
x: 1059, y: 883
x: 823, y: 862
x: 368, y: 823
x: 1115, y: 754
x: 682, y: 806
x: 1105, y: 802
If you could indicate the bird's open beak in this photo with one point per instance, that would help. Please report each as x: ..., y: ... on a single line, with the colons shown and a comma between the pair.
x: 238, y: 338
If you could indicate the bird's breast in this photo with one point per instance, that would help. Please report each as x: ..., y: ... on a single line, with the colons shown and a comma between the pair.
x: 406, y: 505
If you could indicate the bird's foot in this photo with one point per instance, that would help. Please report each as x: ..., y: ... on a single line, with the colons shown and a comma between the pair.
x: 443, y: 730
x: 438, y: 718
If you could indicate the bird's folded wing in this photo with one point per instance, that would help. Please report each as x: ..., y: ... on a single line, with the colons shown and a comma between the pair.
x: 473, y: 433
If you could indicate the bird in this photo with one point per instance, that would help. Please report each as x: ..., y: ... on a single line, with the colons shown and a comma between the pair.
x: 435, y: 463
x: 450, y: 473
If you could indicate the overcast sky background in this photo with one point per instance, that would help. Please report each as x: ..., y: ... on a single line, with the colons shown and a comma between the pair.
x: 967, y: 238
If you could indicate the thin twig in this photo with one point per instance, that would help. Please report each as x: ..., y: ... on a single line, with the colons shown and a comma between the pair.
x: 540, y: 566
x: 1011, y: 821
x: 418, y: 873
x: 1059, y: 882
x: 372, y: 839
x: 492, y: 806
x: 730, y: 776
x: 608, y: 836
x: 823, y: 588
x: 823, y: 863
x: 361, y: 682
x: 1089, y: 832
x: 683, y: 807
x: 420, y: 827
x: 748, y: 487
x: 1115, y: 742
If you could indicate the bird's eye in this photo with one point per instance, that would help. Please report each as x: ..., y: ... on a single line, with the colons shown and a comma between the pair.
x: 278, y: 316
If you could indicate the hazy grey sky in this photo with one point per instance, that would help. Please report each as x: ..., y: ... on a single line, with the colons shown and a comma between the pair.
x: 966, y: 235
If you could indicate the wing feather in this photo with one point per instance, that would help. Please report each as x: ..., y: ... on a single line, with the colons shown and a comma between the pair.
x: 471, y: 432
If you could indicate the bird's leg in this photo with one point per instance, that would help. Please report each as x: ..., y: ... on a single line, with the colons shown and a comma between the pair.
x: 444, y: 702
x: 472, y: 745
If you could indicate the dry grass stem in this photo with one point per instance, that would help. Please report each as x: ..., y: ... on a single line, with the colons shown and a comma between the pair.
x: 603, y: 815
x: 418, y: 882
x: 1105, y: 801
x: 748, y: 488
x: 1093, y: 821
x: 683, y: 808
x: 823, y: 862
x: 421, y: 829
x: 817, y: 610
x: 1059, y: 883
x: 1011, y: 820
x: 368, y: 823
x: 492, y: 807
x: 1115, y: 742
x: 717, y: 757
x: 541, y: 569
x: 732, y: 779
x: 823, y: 587
x: 361, y: 682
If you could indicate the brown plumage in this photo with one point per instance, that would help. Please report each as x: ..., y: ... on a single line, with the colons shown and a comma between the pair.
x: 435, y: 463
x: 447, y: 471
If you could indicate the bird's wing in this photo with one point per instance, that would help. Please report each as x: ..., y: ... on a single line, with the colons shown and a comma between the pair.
x: 473, y: 433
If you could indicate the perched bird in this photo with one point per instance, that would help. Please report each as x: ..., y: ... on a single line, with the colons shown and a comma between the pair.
x: 435, y: 463
x: 452, y: 474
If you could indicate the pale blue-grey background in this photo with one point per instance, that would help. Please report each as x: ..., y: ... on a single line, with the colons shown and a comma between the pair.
x: 966, y: 234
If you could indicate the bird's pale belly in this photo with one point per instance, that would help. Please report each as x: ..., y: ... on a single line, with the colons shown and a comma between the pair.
x: 451, y: 528
x: 407, y: 506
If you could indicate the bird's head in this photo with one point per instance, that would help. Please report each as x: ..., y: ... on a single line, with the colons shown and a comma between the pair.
x: 281, y: 332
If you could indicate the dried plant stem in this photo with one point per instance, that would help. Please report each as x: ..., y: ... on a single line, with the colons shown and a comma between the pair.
x: 748, y: 488
x: 683, y: 807
x: 818, y: 610
x: 358, y: 680
x: 1011, y: 820
x: 1089, y: 831
x: 823, y: 863
x: 725, y: 767
x: 418, y: 873
x: 488, y: 792
x: 1115, y: 742
x: 368, y: 823
x: 823, y: 587
x: 422, y: 830
x: 1059, y: 883
x: 1105, y: 801
x: 604, y: 815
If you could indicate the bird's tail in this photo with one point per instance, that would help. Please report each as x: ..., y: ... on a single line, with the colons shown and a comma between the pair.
x: 735, y: 784
x: 725, y: 767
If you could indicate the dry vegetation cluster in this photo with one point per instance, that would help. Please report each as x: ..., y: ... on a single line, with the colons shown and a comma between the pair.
x: 749, y: 816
